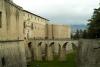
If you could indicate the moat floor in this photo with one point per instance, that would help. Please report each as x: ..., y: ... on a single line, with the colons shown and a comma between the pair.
x: 69, y: 63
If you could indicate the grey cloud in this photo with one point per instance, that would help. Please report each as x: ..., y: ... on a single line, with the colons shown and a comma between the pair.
x: 61, y: 11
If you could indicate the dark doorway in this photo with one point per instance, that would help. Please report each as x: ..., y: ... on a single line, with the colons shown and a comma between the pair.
x: 3, y: 61
x: 31, y: 50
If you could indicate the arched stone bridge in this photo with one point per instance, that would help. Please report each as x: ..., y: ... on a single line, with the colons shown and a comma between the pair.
x: 48, y: 49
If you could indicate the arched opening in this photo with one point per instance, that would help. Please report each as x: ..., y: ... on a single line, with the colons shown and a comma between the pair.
x: 57, y: 56
x: 64, y: 45
x: 44, y: 52
x: 40, y: 43
x: 29, y: 44
x: 51, y: 44
x: 31, y: 50
x: 59, y: 51
x: 63, y: 52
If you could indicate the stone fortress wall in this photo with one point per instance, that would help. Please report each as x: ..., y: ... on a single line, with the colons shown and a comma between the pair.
x: 34, y: 26
x: 55, y: 31
x: 12, y: 50
x: 25, y: 36
x: 38, y: 28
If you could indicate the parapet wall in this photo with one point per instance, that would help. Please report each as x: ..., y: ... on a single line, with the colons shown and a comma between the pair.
x: 89, y: 53
x: 58, y: 31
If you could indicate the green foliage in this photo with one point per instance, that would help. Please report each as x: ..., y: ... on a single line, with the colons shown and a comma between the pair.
x: 94, y: 25
x: 85, y: 34
x: 93, y: 30
x: 76, y: 35
x: 80, y: 34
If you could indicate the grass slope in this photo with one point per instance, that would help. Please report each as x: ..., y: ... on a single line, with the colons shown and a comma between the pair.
x: 69, y: 63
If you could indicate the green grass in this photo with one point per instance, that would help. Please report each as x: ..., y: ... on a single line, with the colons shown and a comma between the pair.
x: 70, y: 62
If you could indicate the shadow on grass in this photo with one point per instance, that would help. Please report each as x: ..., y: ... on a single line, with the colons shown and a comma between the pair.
x: 70, y: 62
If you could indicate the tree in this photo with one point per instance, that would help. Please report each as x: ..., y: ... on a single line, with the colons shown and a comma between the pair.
x: 80, y: 33
x: 94, y: 25
x: 77, y: 34
x: 85, y: 34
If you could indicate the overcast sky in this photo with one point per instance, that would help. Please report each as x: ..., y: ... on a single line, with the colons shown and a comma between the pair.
x: 61, y: 11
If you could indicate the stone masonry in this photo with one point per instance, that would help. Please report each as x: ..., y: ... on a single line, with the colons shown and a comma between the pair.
x: 88, y: 53
x: 25, y: 37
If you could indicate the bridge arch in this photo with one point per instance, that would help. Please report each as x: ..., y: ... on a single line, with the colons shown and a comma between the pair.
x: 64, y: 45
x: 50, y: 51
x: 29, y: 44
x: 40, y: 43
x: 44, y: 52
x: 31, y: 50
x: 62, y: 50
x: 59, y: 49
x: 51, y: 44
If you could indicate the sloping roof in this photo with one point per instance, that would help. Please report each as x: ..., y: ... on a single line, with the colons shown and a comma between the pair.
x: 35, y: 15
x: 12, y: 3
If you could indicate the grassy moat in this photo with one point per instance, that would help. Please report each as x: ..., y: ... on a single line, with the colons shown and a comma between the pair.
x: 70, y: 62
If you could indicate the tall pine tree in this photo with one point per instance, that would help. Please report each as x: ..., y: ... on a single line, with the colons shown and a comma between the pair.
x: 94, y: 25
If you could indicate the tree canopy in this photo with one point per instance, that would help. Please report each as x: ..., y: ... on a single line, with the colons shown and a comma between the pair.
x: 94, y: 25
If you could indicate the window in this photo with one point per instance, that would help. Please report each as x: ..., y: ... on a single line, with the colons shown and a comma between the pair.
x: 35, y: 18
x: 38, y: 19
x: 28, y: 15
x: 0, y: 19
x: 24, y: 24
x: 32, y: 26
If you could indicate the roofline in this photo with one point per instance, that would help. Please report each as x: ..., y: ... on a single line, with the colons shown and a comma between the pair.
x: 60, y: 24
x: 15, y: 5
x: 12, y: 3
x: 35, y: 15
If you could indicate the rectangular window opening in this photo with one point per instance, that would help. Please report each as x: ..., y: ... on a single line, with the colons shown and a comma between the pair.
x: 0, y: 19
x: 32, y: 26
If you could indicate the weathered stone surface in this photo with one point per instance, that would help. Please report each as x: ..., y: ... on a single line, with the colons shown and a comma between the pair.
x: 89, y: 53
x: 12, y: 54
x: 19, y: 25
x: 11, y: 22
x: 47, y: 49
